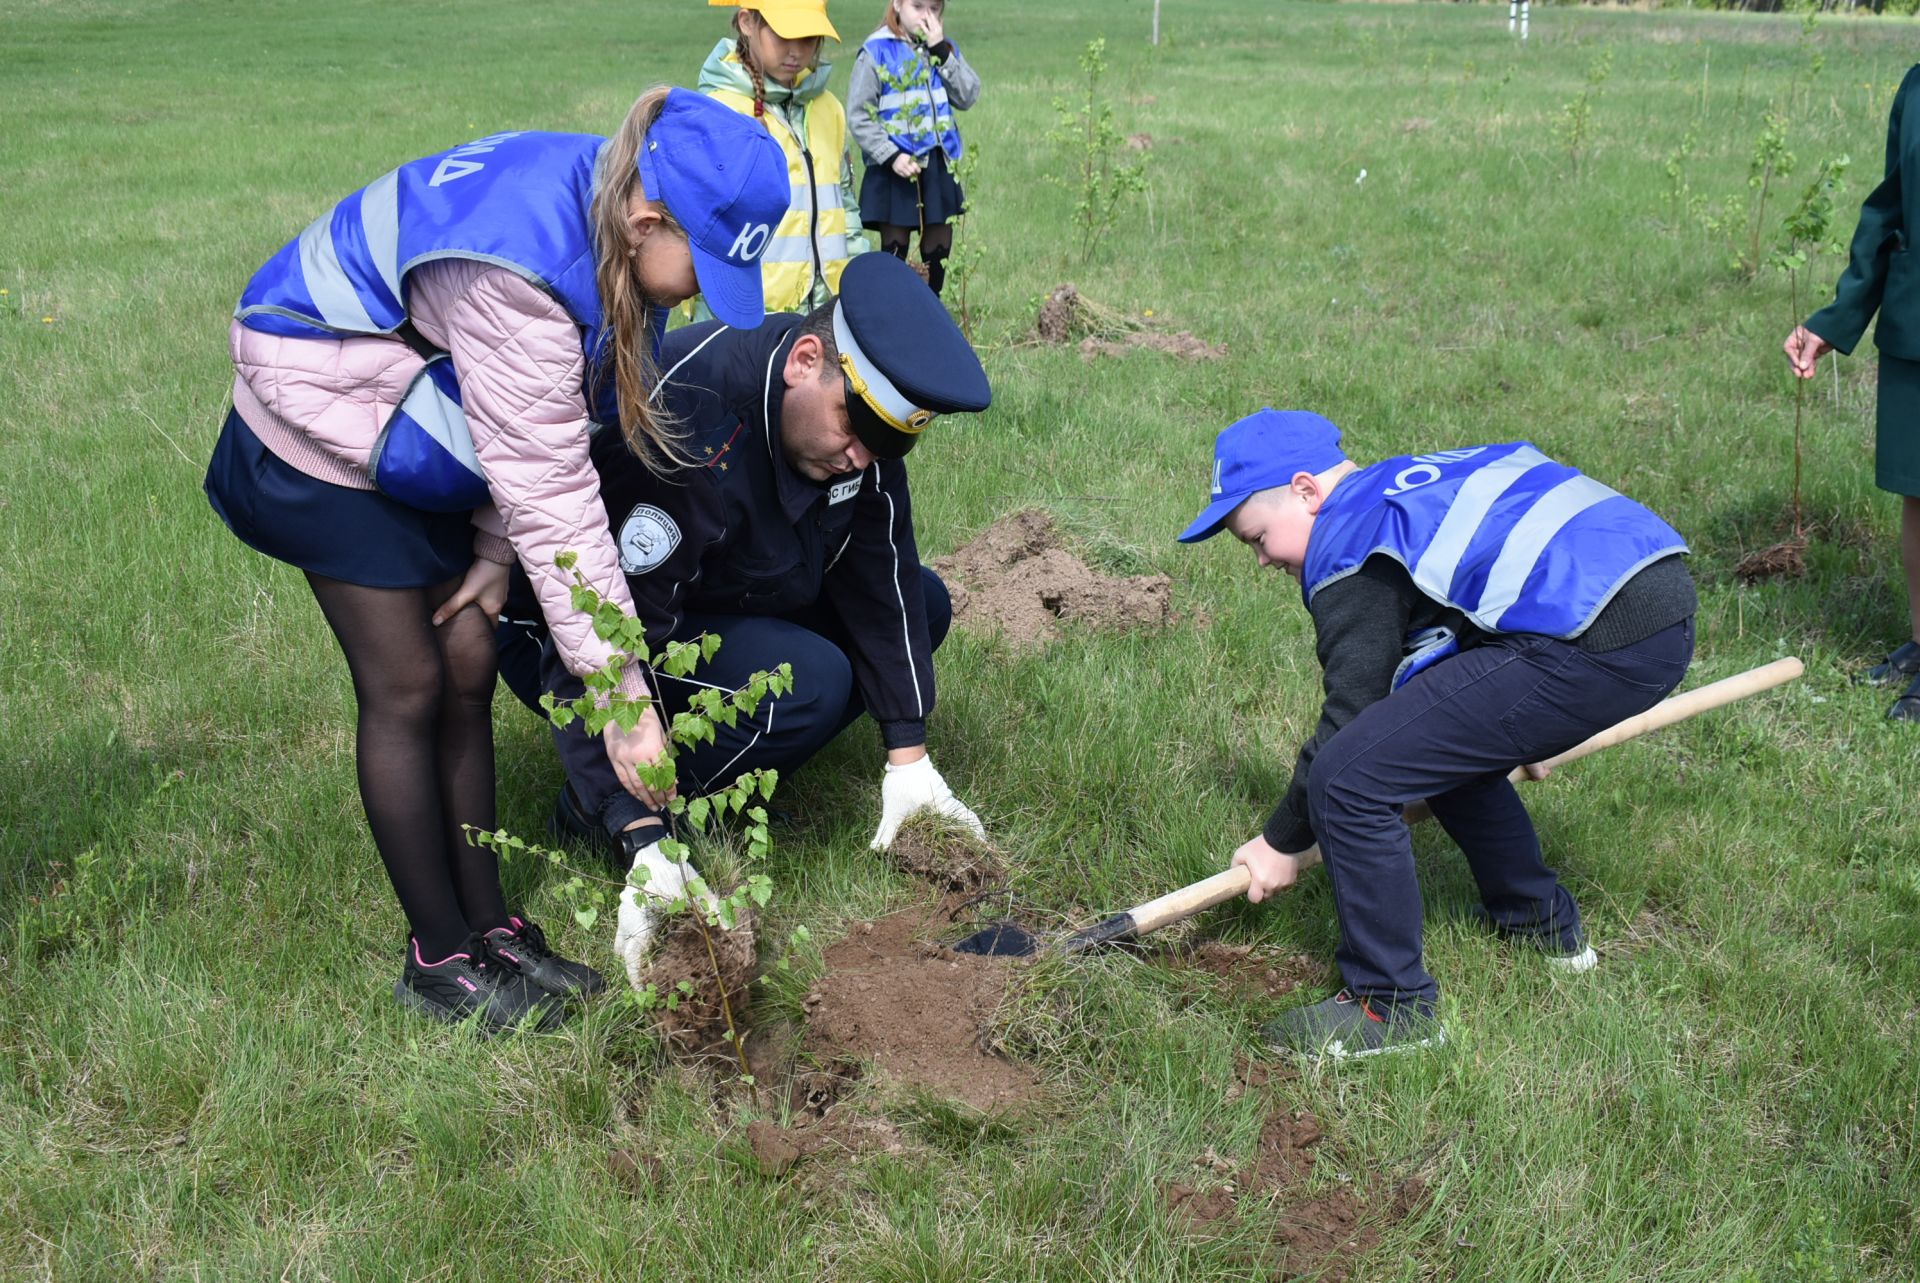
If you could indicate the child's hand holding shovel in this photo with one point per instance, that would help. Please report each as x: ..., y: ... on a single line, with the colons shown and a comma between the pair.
x: 1268, y: 869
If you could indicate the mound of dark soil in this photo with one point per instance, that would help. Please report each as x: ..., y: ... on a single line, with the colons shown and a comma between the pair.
x: 1066, y: 315
x: 918, y: 1012
x: 697, y: 1023
x: 949, y: 858
x: 1784, y: 560
x: 1017, y: 579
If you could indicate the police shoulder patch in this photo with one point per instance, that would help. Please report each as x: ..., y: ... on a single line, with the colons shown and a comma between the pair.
x: 647, y: 537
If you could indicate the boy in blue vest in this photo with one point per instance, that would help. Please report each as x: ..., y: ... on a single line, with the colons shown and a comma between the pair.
x: 1474, y: 610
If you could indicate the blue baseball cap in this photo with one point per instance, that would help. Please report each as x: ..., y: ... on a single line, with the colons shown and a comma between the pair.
x: 1268, y: 448
x: 724, y: 179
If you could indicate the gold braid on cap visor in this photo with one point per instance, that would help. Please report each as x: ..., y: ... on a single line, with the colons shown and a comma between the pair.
x: 916, y: 422
x: 886, y: 401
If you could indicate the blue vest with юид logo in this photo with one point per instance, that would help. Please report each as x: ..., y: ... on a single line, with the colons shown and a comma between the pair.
x: 518, y: 200
x: 1513, y: 540
x: 912, y: 106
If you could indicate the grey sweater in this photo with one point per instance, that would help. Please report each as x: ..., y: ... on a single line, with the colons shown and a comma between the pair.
x: 863, y: 92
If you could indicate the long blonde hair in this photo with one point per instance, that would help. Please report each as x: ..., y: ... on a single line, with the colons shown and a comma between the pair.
x: 651, y: 432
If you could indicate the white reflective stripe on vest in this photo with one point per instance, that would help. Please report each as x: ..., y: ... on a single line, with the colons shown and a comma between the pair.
x: 327, y: 282
x: 898, y: 100
x: 1477, y: 495
x: 443, y: 420
x: 380, y: 222
x: 799, y: 249
x: 1530, y: 537
x: 804, y: 198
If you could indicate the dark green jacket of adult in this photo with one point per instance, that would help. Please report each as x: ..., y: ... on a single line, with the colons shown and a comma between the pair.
x: 1883, y: 270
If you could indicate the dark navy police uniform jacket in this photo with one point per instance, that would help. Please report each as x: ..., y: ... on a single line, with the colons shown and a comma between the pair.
x: 747, y: 535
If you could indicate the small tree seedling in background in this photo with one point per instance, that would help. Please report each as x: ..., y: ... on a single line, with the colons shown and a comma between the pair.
x: 1807, y: 233
x: 1103, y: 179
x: 1576, y: 115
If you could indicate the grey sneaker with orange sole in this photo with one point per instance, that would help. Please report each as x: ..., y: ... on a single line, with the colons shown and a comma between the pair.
x: 1350, y: 1027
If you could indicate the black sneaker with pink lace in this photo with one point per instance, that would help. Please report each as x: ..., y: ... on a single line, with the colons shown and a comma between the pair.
x: 524, y: 945
x: 474, y: 983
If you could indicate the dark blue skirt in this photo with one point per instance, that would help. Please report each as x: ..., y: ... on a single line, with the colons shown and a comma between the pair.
x: 885, y: 197
x: 358, y: 536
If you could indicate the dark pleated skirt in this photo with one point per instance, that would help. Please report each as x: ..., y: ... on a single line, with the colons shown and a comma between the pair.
x: 359, y: 536
x: 1896, y: 450
x: 885, y: 197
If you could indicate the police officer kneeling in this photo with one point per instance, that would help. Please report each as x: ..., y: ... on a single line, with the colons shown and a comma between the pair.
x: 791, y: 536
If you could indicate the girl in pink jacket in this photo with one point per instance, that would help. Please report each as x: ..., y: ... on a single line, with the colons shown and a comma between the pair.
x: 414, y: 379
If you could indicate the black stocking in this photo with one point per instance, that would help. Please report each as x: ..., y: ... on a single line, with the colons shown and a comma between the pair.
x: 423, y: 764
x: 894, y: 239
x: 464, y: 743
x: 936, y: 243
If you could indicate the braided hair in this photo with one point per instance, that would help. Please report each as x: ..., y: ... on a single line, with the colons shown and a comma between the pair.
x: 743, y: 50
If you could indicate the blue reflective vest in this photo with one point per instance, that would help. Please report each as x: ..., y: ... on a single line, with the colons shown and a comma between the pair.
x: 518, y: 200
x: 912, y: 106
x: 1513, y: 540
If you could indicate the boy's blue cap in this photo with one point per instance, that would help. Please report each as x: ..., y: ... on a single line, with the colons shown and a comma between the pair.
x: 1265, y: 449
x: 723, y: 178
x: 904, y: 360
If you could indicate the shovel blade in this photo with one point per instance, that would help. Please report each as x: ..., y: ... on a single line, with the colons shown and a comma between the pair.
x: 1001, y: 940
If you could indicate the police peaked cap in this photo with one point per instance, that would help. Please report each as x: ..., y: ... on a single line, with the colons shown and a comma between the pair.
x: 903, y: 358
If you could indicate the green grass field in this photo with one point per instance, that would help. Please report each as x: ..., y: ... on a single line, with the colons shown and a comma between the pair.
x: 202, y: 1074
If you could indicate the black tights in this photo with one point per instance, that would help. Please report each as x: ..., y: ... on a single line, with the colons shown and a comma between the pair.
x: 936, y: 242
x: 424, y: 750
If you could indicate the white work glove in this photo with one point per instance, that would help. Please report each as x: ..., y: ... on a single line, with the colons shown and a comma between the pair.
x: 915, y: 787
x: 653, y: 883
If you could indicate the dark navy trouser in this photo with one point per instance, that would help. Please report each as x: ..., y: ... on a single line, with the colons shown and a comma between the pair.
x: 1450, y: 736
x: 782, y: 734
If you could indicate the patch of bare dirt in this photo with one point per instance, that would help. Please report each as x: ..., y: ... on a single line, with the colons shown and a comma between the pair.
x: 1242, y: 969
x: 696, y: 1024
x: 918, y: 1012
x: 1139, y: 142
x: 1321, y: 1236
x: 1199, y: 1209
x: 949, y: 858
x: 1017, y: 579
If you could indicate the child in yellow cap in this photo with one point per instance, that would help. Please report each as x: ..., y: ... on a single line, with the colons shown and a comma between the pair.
x: 770, y: 69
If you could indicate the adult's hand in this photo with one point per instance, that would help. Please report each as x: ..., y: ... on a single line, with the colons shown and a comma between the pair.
x: 1270, y: 870
x: 653, y: 884
x: 644, y: 745
x: 485, y: 585
x: 911, y: 787
x: 1804, y: 349
x: 905, y: 165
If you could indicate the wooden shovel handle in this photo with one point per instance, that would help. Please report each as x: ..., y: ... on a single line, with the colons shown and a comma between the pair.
x: 1221, y: 887
x: 1677, y: 708
x: 1189, y: 900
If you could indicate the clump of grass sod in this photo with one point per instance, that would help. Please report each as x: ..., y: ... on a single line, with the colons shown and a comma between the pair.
x: 202, y: 1073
